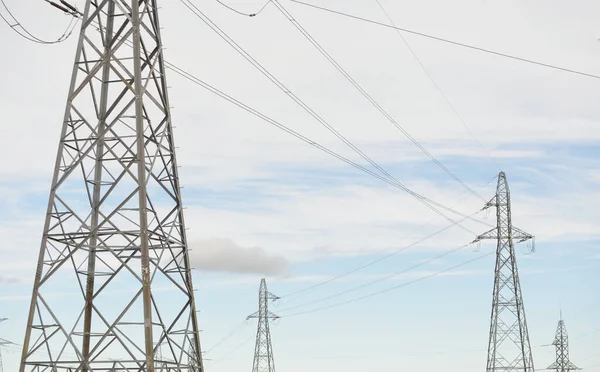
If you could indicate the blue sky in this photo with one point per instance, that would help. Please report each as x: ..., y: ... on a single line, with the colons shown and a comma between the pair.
x: 261, y: 203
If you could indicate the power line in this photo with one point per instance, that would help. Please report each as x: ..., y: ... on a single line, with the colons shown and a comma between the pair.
x: 436, y: 85
x: 428, y: 202
x: 435, y: 353
x: 251, y: 110
x: 373, y: 262
x: 373, y: 102
x: 17, y: 27
x: 226, y: 337
x: 391, y: 180
x: 392, y: 288
x: 198, y: 13
x: 448, y: 41
x: 378, y: 280
x: 231, y: 352
x: 242, y: 13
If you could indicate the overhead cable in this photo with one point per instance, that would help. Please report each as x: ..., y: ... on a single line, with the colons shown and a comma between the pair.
x: 379, y: 259
x: 227, y: 336
x: 230, y: 352
x: 373, y: 102
x: 378, y: 280
x: 242, y: 13
x: 391, y: 288
x: 448, y: 41
x: 18, y: 27
x: 437, y: 86
x: 198, y: 13
x: 428, y: 202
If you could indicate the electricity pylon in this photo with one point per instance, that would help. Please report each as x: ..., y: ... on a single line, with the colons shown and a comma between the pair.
x: 263, y: 350
x: 3, y: 343
x: 114, y: 230
x: 509, y: 349
x: 561, y: 342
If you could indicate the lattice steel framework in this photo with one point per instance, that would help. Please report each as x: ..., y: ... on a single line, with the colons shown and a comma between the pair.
x: 114, y: 239
x: 263, y: 351
x: 3, y: 343
x: 561, y: 342
x: 509, y: 349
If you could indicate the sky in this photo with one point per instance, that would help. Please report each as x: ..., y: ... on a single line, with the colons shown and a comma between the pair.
x: 261, y: 203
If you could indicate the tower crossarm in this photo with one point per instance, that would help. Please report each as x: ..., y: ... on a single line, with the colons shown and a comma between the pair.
x: 516, y: 234
x: 519, y: 235
x: 268, y: 314
x: 490, y: 234
x: 559, y: 367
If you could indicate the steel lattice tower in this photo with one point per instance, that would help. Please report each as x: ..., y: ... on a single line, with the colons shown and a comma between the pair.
x: 114, y: 232
x: 263, y: 351
x: 3, y: 343
x: 508, y: 348
x: 561, y: 342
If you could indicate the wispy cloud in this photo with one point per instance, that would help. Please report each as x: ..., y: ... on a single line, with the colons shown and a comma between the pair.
x: 8, y: 280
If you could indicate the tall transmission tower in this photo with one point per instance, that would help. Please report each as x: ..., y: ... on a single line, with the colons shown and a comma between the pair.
x: 114, y: 229
x: 263, y: 351
x: 561, y: 342
x: 509, y: 349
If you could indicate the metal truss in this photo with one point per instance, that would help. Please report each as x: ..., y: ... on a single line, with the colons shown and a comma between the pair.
x: 263, y: 350
x: 4, y: 343
x: 509, y: 349
x: 113, y: 283
x: 561, y: 342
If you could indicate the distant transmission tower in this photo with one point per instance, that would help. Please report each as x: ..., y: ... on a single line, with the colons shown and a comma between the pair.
x: 263, y: 351
x: 561, y: 342
x: 114, y: 228
x: 508, y: 348
x: 3, y: 343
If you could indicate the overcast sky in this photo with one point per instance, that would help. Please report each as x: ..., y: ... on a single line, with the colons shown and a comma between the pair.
x: 261, y: 203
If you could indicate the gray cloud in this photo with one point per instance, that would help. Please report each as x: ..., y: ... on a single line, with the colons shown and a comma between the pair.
x: 225, y: 255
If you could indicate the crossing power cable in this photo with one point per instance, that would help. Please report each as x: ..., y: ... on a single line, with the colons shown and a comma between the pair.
x: 18, y: 27
x: 373, y: 262
x: 377, y: 260
x: 231, y: 352
x: 448, y: 41
x: 373, y: 102
x: 437, y: 86
x: 242, y: 13
x: 227, y: 336
x: 378, y: 280
x: 428, y: 202
x: 403, y: 285
x: 249, y: 109
x: 198, y: 13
